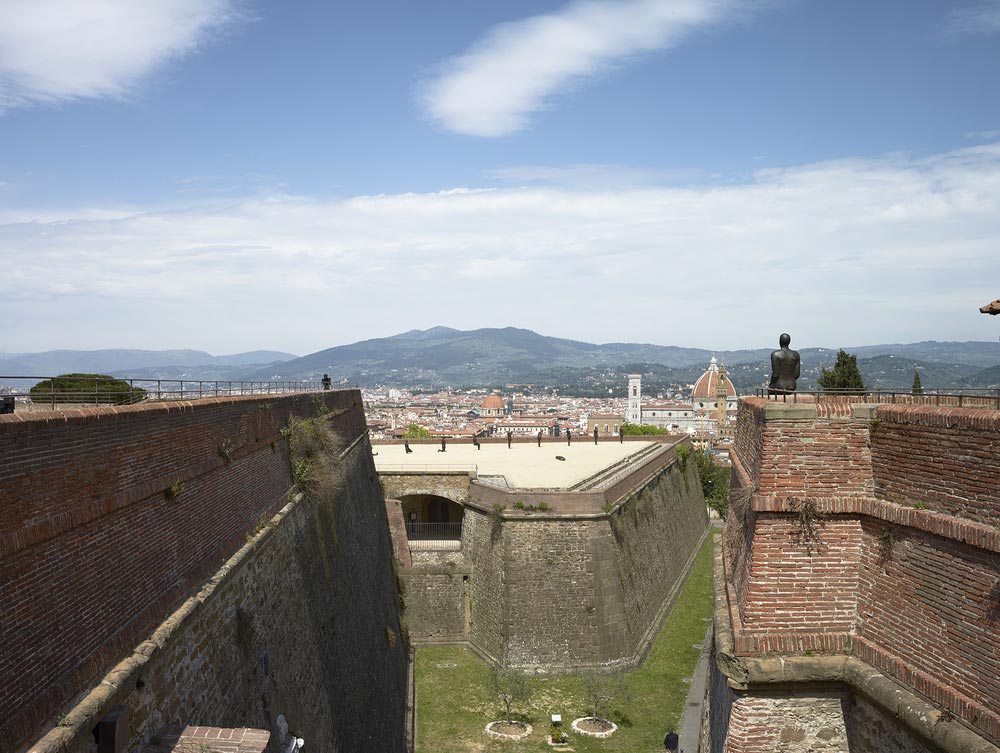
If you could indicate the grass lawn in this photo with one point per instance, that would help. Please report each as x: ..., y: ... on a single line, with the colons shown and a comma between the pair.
x: 454, y: 705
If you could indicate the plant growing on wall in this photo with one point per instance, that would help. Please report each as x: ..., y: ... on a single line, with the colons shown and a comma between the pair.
x: 315, y: 457
x: 810, y: 521
x: 510, y: 686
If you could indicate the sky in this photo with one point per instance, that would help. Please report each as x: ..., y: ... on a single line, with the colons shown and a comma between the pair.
x: 233, y: 175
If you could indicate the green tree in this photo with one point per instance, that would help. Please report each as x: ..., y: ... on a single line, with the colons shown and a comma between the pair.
x: 86, y: 388
x: 629, y: 430
x: 917, y: 389
x: 416, y: 431
x: 714, y: 483
x: 601, y: 689
x: 844, y: 377
x: 510, y: 686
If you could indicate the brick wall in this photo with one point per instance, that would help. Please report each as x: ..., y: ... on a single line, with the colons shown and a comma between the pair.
x: 945, y: 458
x: 912, y: 592
x: 93, y: 551
x: 798, y: 584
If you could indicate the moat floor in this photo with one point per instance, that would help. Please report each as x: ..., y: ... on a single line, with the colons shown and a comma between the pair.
x: 454, y: 704
x: 525, y: 466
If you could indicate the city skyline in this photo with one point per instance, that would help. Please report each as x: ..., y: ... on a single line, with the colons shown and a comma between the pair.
x: 230, y: 176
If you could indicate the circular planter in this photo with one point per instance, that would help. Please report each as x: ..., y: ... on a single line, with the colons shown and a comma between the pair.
x: 585, y: 724
x: 500, y: 730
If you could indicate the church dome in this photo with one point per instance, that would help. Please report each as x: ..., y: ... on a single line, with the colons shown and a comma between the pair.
x: 704, y: 388
x: 492, y: 402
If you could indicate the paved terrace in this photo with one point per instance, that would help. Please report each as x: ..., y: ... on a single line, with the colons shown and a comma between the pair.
x: 523, y: 465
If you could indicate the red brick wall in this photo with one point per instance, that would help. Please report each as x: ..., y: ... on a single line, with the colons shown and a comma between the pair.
x: 928, y: 615
x: 912, y: 592
x: 93, y: 553
x: 791, y: 590
x: 945, y: 458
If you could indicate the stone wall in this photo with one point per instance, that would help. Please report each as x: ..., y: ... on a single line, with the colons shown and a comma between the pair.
x: 556, y: 591
x: 437, y: 603
x: 297, y: 623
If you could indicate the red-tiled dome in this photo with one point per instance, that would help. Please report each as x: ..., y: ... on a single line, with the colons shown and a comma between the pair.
x: 704, y: 388
x: 492, y: 402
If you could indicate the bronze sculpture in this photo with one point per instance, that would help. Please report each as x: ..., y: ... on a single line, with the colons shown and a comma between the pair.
x: 785, y: 367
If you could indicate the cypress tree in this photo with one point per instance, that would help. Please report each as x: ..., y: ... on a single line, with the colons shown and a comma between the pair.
x: 844, y: 377
x: 917, y: 389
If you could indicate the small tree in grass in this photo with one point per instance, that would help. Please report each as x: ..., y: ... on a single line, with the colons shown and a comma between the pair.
x: 510, y: 686
x: 601, y: 689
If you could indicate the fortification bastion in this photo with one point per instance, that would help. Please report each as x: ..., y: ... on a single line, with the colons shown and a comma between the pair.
x: 858, y: 586
x: 575, y: 575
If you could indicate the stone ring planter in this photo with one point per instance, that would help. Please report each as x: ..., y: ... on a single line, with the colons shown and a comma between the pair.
x: 491, y: 732
x: 587, y: 733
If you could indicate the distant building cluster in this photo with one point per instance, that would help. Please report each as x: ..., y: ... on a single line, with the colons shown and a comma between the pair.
x: 708, y: 415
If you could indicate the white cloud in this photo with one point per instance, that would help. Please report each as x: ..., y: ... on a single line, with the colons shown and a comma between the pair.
x: 983, y: 18
x: 55, y: 50
x: 843, y: 252
x: 517, y: 67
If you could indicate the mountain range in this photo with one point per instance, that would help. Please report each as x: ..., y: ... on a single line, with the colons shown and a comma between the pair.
x: 442, y: 357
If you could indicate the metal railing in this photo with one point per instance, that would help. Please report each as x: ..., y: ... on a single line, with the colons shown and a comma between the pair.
x: 438, y: 531
x: 49, y: 393
x: 961, y: 398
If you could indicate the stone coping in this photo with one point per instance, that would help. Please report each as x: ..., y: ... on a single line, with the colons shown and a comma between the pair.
x: 750, y: 672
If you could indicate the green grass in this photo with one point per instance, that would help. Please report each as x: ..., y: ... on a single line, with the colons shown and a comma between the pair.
x: 454, y: 705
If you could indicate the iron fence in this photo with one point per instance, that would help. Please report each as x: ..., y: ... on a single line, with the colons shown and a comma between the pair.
x: 49, y: 393
x: 434, y: 531
x: 961, y: 398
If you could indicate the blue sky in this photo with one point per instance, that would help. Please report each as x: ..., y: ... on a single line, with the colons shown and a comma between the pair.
x: 234, y: 174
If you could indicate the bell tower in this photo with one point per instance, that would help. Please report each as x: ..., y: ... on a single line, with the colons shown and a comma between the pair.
x: 633, y: 413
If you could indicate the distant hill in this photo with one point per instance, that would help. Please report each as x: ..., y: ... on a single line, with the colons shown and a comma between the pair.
x: 442, y: 356
x: 162, y: 364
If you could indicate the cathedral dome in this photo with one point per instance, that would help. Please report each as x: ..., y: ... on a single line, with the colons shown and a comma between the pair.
x: 704, y: 388
x: 492, y: 402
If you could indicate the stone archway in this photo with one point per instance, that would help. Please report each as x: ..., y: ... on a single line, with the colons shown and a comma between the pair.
x: 432, y: 517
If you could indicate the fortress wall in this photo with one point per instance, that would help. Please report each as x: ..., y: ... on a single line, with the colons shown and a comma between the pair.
x: 483, y: 545
x: 563, y: 589
x: 907, y: 597
x: 656, y: 533
x: 436, y: 599
x: 798, y: 584
x: 93, y: 552
x: 929, y: 608
x: 553, y: 617
x: 302, y: 622
x: 946, y: 458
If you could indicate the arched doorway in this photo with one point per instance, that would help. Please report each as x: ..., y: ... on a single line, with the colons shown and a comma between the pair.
x: 430, y: 517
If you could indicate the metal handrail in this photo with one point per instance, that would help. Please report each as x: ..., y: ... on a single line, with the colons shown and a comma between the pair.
x: 144, y: 390
x: 966, y: 397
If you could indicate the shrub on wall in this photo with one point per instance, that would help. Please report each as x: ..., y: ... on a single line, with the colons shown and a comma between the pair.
x: 315, y: 456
